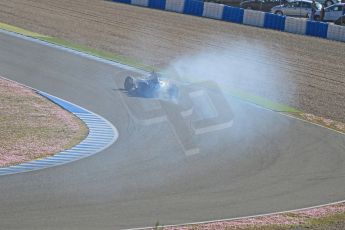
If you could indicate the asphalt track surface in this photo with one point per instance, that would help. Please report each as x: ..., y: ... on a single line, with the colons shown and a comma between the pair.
x: 245, y: 162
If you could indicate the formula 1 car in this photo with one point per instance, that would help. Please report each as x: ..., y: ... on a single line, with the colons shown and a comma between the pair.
x: 151, y: 87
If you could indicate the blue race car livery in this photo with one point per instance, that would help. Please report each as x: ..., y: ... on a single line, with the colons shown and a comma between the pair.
x: 151, y: 87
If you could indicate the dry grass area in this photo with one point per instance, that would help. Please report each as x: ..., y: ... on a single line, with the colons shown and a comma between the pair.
x: 303, y: 72
x: 32, y: 127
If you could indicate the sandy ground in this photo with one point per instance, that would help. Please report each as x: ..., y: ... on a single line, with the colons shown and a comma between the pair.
x: 303, y: 72
x: 32, y: 127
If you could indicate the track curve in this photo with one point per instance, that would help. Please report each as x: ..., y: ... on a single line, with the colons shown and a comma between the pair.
x: 263, y: 162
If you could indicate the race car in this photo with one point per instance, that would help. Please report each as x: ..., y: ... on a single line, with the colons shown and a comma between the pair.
x: 153, y: 86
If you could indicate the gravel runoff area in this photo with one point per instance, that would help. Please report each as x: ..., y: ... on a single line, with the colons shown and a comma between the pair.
x: 33, y: 127
x: 308, y: 72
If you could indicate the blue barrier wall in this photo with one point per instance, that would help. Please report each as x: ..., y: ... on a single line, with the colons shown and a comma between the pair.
x: 233, y: 14
x: 123, y: 1
x: 317, y: 29
x: 236, y: 15
x: 275, y: 22
x: 157, y: 4
x: 193, y: 7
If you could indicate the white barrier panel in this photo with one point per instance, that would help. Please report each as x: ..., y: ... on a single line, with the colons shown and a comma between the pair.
x: 254, y: 18
x: 295, y: 25
x: 213, y: 10
x: 336, y: 32
x: 140, y: 2
x: 174, y: 5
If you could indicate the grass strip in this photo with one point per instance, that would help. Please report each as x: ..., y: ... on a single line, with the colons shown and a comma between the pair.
x: 18, y: 30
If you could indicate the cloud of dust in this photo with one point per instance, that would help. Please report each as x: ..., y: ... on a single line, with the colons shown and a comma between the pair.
x: 247, y: 68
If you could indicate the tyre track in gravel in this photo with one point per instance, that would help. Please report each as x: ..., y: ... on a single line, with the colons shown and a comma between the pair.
x: 98, y: 19
x: 73, y: 13
x: 94, y: 18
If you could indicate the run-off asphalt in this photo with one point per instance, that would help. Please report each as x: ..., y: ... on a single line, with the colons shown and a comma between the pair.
x: 264, y: 162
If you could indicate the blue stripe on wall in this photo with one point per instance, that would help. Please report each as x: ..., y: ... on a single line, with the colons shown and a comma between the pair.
x: 317, y: 29
x: 157, y: 4
x: 233, y: 14
x: 193, y: 7
x: 236, y: 15
x: 275, y: 22
x: 123, y: 1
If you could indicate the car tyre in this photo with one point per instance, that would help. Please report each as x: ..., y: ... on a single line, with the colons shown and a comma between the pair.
x: 340, y: 21
x: 278, y: 12
x: 129, y: 84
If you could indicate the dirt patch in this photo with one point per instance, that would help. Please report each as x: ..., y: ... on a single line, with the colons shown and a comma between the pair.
x: 32, y: 127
